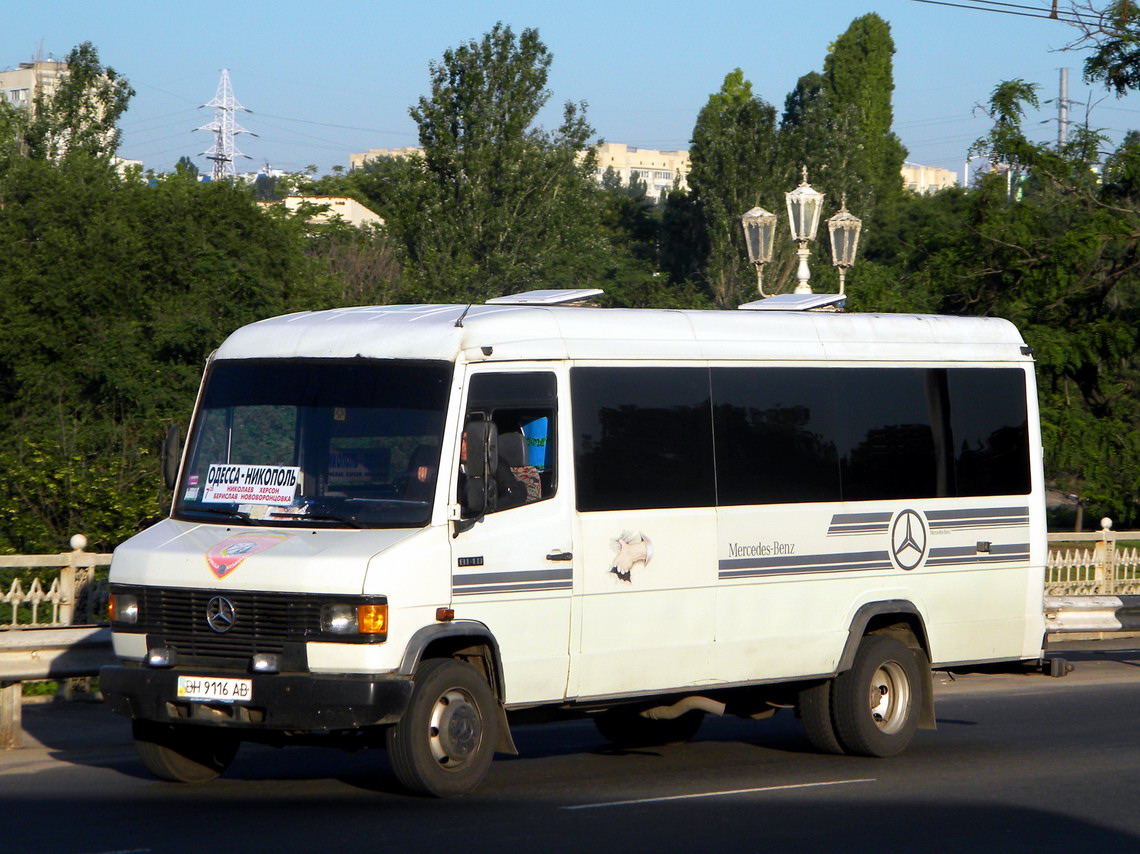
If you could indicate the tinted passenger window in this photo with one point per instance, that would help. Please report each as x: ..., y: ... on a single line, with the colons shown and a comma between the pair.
x: 989, y: 426
x: 786, y: 435
x: 643, y: 438
x: 774, y: 436
x: 883, y: 433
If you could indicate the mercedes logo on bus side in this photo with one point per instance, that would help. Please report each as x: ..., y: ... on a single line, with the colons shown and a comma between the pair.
x: 220, y: 614
x: 909, y: 536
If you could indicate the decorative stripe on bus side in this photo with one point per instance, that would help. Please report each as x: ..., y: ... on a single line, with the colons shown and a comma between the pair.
x: 1007, y: 553
x: 848, y: 562
x: 843, y: 524
x: 994, y: 517
x: 850, y: 524
x: 512, y: 582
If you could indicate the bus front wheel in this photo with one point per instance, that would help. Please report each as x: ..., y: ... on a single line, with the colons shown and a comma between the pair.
x: 444, y: 743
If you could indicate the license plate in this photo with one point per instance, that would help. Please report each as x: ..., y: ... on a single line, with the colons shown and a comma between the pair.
x: 210, y: 689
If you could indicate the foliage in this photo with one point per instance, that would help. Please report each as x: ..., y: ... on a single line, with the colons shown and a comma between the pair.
x: 360, y: 260
x: 836, y: 123
x: 495, y: 204
x: 1111, y: 29
x: 866, y: 157
x: 733, y: 139
x: 1058, y: 257
x: 81, y: 116
x: 114, y: 292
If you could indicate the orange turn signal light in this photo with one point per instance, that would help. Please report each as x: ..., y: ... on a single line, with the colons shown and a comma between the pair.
x: 372, y: 619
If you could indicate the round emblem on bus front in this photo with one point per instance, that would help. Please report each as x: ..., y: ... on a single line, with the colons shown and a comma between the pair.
x: 909, y: 538
x: 220, y: 614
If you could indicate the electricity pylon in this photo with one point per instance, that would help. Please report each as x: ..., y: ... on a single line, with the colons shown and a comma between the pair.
x: 225, y: 128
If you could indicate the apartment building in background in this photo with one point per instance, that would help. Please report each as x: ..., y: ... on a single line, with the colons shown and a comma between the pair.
x: 328, y: 208
x: 659, y: 170
x: 20, y: 85
x: 357, y: 161
x: 927, y: 179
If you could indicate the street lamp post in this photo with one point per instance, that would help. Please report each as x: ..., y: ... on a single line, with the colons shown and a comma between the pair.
x: 804, y: 206
x: 759, y: 232
x: 844, y: 229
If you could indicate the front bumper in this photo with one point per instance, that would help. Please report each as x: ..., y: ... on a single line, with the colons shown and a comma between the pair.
x: 303, y: 702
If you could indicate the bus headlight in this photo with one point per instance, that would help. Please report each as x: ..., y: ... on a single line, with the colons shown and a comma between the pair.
x: 123, y: 608
x: 349, y: 619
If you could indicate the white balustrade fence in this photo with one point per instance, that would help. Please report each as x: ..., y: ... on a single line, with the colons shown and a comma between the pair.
x: 1093, y: 564
x: 73, y: 596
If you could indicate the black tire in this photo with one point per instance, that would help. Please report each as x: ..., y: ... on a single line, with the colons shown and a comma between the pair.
x: 814, y: 708
x: 184, y: 754
x: 444, y: 743
x: 624, y: 727
x: 876, y: 704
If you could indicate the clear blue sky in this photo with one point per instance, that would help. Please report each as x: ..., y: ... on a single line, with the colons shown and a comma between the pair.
x: 326, y: 79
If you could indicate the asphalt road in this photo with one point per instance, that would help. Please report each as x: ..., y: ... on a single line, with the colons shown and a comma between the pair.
x: 1018, y: 763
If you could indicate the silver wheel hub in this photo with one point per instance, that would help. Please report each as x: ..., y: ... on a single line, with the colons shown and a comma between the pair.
x: 455, y: 729
x: 889, y: 697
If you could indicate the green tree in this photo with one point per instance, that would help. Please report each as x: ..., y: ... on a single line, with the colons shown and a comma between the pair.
x: 733, y: 153
x: 805, y: 137
x: 1111, y: 30
x: 865, y: 156
x: 113, y: 293
x: 187, y: 166
x: 495, y: 204
x: 81, y: 116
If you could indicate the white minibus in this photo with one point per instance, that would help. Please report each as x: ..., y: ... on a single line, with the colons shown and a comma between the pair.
x: 411, y: 526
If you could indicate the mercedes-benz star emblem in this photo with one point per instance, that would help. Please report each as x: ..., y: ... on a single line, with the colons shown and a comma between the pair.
x: 908, y: 539
x: 220, y: 614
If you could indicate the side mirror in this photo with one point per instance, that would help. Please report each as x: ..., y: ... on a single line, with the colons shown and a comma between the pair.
x: 481, y: 439
x: 171, y: 456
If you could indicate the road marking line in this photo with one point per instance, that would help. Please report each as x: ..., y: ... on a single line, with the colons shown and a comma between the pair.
x: 720, y: 794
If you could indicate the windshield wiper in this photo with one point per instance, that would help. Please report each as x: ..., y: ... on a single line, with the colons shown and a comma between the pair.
x: 221, y: 511
x: 328, y: 517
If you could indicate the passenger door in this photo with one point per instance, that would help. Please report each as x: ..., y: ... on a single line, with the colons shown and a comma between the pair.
x: 513, y: 564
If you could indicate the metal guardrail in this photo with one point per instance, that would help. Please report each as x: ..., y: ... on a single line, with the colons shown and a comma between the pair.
x: 1092, y: 613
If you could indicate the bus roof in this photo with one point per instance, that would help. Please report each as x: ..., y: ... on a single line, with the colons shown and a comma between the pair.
x: 516, y: 332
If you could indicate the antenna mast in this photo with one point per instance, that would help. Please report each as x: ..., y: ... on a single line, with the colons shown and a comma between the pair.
x: 224, y: 128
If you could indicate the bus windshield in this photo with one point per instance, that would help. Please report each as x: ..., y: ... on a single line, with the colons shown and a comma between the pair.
x: 316, y: 443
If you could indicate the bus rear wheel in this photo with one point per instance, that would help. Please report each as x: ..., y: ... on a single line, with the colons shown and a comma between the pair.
x: 814, y: 709
x: 876, y: 704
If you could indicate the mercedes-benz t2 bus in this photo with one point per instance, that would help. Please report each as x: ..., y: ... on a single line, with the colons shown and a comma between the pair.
x: 407, y: 525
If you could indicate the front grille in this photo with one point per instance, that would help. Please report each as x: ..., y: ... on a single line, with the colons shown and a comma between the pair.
x: 175, y: 617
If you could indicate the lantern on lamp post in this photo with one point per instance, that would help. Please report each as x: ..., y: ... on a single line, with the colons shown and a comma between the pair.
x: 844, y: 229
x: 804, y: 206
x: 759, y: 232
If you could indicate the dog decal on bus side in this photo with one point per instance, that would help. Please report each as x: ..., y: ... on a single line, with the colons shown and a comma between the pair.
x: 630, y: 549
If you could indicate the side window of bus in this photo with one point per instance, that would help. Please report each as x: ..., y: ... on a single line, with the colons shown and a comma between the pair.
x: 990, y: 429
x: 522, y: 407
x: 788, y: 435
x: 643, y: 438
